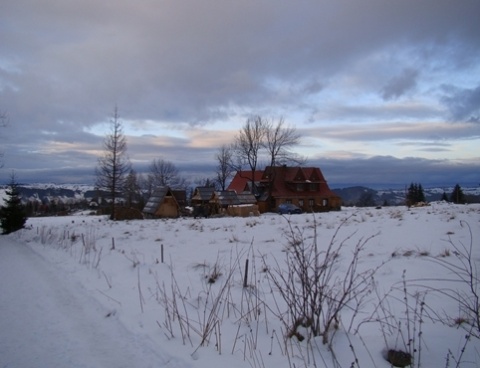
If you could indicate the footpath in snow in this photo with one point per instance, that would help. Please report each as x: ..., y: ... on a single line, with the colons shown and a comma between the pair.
x: 45, y: 320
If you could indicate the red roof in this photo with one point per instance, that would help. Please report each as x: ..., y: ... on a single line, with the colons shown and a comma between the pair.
x: 242, y: 180
x: 284, y: 181
x: 285, y: 177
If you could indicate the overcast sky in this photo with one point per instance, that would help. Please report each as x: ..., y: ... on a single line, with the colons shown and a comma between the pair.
x: 381, y: 91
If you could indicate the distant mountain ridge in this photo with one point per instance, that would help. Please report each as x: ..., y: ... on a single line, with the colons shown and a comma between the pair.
x: 356, y: 195
x: 48, y: 192
x: 352, y: 195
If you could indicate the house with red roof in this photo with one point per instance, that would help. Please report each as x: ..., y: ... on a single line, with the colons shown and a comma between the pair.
x: 304, y: 187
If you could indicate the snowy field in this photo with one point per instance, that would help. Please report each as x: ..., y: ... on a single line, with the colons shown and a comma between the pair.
x: 83, y: 291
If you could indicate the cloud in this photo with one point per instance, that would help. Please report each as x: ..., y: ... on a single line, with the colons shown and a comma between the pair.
x: 420, y: 131
x: 464, y: 103
x: 329, y: 65
x: 180, y: 61
x: 398, y: 86
x: 354, y: 112
x: 388, y: 171
x: 436, y: 146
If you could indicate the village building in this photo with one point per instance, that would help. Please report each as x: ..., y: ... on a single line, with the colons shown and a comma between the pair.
x: 220, y: 201
x: 201, y: 201
x: 229, y: 203
x: 304, y: 187
x: 163, y: 204
x: 202, y: 195
x: 246, y: 198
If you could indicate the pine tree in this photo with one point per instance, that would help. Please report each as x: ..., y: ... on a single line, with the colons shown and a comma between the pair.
x: 12, y: 215
x: 457, y: 195
x: 444, y: 197
x: 114, y: 166
x: 420, y: 194
x: 415, y: 194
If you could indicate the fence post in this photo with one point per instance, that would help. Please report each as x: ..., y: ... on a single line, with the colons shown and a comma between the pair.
x: 245, y: 277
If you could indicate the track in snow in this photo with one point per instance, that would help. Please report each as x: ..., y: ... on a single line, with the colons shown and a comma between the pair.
x: 46, y: 320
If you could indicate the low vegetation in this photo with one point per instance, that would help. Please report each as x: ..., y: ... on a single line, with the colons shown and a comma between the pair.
x: 305, y: 290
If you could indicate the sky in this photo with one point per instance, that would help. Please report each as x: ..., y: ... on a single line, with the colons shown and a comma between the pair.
x: 382, y: 92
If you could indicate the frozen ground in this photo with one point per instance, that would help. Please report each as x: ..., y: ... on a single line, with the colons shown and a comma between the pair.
x: 82, y: 291
x: 49, y: 320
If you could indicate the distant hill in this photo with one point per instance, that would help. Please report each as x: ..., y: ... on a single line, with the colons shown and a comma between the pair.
x: 48, y: 192
x: 363, y: 196
x: 357, y: 195
x: 351, y: 196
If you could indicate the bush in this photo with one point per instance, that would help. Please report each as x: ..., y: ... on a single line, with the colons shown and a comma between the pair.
x: 313, y: 287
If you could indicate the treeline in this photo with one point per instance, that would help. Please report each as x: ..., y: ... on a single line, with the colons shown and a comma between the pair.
x: 416, y: 195
x: 360, y: 196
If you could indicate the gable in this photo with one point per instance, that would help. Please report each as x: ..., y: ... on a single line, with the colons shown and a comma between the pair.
x: 298, y: 182
x: 298, y: 175
x: 314, y: 174
x: 158, y: 198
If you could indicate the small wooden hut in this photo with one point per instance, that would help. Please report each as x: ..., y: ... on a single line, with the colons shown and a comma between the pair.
x: 220, y: 201
x: 162, y: 204
x: 202, y: 195
x: 201, y: 201
x: 247, y: 206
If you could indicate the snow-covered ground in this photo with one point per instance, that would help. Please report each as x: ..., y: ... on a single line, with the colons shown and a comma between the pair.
x: 82, y: 291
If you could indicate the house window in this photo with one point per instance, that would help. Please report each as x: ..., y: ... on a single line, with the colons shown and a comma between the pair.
x: 300, y: 187
x: 313, y: 187
x: 288, y: 201
x: 311, y: 202
x: 300, y: 202
x: 325, y: 202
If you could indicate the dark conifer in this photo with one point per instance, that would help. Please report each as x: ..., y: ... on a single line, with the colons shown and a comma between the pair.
x: 415, y: 194
x: 420, y: 194
x: 12, y: 214
x: 457, y: 195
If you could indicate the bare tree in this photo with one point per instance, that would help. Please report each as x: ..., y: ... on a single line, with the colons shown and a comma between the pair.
x: 224, y: 166
x: 247, y: 145
x: 132, y: 192
x: 113, y: 167
x: 165, y: 173
x: 279, y: 139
